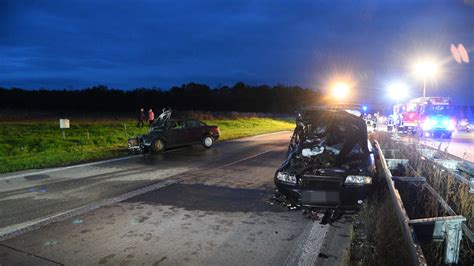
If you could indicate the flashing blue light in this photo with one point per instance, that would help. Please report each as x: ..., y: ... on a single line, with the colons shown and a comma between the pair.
x: 364, y: 108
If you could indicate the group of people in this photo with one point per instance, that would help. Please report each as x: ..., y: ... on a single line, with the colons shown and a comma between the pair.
x: 142, y: 117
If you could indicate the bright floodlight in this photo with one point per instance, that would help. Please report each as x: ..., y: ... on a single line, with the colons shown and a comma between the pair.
x: 340, y: 91
x: 398, y: 91
x: 426, y: 68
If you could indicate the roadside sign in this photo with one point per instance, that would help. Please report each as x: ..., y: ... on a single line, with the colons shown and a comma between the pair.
x: 63, y: 123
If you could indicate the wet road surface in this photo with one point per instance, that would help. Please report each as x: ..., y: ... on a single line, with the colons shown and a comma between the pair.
x: 460, y: 145
x: 32, y: 196
x: 217, y: 212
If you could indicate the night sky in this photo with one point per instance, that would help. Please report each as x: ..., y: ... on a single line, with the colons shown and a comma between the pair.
x: 127, y: 44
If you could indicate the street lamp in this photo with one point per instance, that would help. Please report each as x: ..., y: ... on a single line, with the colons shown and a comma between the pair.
x: 340, y: 91
x: 426, y: 69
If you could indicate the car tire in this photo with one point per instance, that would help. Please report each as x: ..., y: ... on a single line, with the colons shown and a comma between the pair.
x: 158, y: 146
x: 207, y: 141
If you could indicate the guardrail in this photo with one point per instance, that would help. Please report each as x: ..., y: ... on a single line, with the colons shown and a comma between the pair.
x: 416, y: 254
x: 459, y: 169
x: 445, y: 228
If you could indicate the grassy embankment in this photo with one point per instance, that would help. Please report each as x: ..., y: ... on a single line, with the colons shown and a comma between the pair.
x: 27, y: 145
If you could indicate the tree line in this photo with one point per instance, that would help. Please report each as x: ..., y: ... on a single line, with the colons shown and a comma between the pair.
x: 192, y: 96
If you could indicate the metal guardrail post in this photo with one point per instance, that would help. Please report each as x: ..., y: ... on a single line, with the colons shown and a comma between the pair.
x: 442, y: 228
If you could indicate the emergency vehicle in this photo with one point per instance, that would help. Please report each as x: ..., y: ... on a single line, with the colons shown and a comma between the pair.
x: 426, y: 117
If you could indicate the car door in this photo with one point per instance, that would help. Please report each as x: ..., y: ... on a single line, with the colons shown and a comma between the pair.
x: 176, y: 134
x: 195, y: 131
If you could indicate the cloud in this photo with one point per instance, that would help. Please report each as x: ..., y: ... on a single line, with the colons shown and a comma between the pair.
x: 164, y: 43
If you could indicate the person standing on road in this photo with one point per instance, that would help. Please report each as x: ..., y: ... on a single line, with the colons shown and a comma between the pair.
x: 141, y: 118
x: 151, y: 117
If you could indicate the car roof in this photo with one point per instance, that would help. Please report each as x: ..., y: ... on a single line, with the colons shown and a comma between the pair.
x: 353, y: 109
x: 332, y: 107
x: 183, y: 120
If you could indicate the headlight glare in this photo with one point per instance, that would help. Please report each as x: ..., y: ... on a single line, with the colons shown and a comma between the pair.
x: 427, y: 125
x: 285, y: 177
x: 358, y: 179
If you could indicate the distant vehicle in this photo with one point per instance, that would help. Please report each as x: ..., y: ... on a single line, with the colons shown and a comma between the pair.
x: 330, y: 161
x: 168, y: 133
x: 426, y: 117
x: 464, y: 125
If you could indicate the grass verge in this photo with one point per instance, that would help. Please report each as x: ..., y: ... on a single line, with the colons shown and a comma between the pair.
x: 29, y: 145
x: 377, y: 238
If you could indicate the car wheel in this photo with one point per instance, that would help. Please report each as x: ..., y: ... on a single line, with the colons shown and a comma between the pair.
x: 158, y: 146
x: 207, y: 141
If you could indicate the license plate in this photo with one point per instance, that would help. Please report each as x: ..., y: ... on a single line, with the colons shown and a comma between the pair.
x: 320, y: 197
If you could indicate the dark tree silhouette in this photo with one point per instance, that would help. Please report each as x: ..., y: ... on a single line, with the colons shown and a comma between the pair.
x: 192, y: 96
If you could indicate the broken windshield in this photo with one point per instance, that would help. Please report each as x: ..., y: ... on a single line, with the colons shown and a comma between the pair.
x: 334, y: 132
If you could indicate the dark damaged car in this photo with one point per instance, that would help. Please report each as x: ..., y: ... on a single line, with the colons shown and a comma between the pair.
x: 166, y: 133
x: 330, y: 161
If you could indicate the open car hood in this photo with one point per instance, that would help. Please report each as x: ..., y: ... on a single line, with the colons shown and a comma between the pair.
x: 328, y: 139
x: 161, y: 121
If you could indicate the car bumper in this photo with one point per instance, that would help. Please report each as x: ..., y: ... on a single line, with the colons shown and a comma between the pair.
x: 135, y: 144
x: 215, y: 136
x: 325, y: 197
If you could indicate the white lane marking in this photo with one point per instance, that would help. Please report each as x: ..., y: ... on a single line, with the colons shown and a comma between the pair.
x: 18, y: 229
x: 269, y: 134
x: 67, y: 167
x: 248, y: 158
x: 50, y: 170
x: 257, y: 136
x: 306, y: 249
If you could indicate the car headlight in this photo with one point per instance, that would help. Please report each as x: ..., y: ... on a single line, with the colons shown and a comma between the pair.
x: 285, y: 177
x: 358, y: 179
x: 428, y: 125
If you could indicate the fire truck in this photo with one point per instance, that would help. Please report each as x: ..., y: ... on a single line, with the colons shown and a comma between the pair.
x: 426, y: 117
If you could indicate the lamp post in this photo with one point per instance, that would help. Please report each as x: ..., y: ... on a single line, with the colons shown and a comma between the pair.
x: 426, y: 69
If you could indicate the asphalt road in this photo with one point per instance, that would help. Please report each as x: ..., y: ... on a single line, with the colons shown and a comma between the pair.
x: 30, y: 196
x: 460, y: 145
x: 213, y: 209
